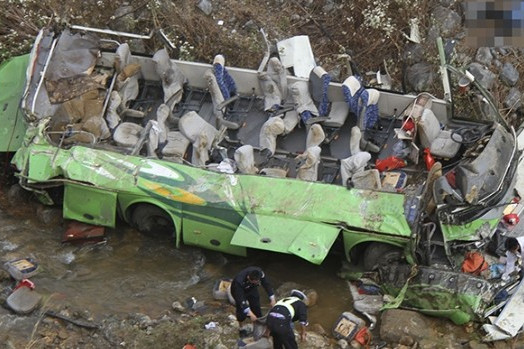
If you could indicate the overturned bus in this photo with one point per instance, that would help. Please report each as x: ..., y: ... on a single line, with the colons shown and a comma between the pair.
x: 232, y: 159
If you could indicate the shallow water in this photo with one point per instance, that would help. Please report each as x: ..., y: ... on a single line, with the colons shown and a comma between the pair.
x: 133, y: 273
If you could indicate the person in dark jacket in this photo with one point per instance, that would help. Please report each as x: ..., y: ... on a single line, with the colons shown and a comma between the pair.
x: 281, y: 317
x: 244, y: 290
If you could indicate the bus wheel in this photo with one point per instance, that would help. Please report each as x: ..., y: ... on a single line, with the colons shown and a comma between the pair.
x: 377, y: 254
x: 153, y: 221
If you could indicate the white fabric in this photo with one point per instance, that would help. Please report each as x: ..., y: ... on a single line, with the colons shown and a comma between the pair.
x: 309, y: 170
x: 245, y: 159
x: 291, y: 120
x: 315, y: 136
x: 337, y: 115
x: 127, y: 134
x: 273, y: 172
x: 367, y: 179
x: 302, y: 98
x: 112, y: 117
x: 214, y: 90
x: 268, y: 133
x: 431, y: 136
x: 353, y: 84
x: 512, y: 260
x: 272, y: 95
x: 176, y: 145
x: 200, y: 133
x: 158, y: 131
x: 354, y: 140
x: 374, y: 96
x: 353, y: 164
x: 192, y: 125
x: 277, y: 72
x: 171, y: 76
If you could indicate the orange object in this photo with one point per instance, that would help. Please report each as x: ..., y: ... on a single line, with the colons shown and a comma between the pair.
x: 474, y: 263
x: 189, y: 346
x: 428, y: 158
x: 390, y: 163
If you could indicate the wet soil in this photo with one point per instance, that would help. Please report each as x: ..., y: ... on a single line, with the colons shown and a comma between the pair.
x: 136, y: 277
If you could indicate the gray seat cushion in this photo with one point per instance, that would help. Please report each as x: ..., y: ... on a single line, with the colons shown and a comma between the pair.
x: 338, y: 114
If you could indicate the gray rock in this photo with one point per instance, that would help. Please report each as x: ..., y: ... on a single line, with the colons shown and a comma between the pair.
x: 124, y: 19
x: 446, y: 3
x: 446, y: 20
x: 513, y: 99
x: 49, y: 215
x: 497, y: 64
x: 23, y: 300
x: 397, y: 323
x: 251, y: 26
x: 328, y: 6
x: 342, y: 343
x: 483, y: 75
x: 484, y: 56
x: 502, y: 51
x: 413, y: 53
x: 16, y: 195
x: 220, y: 346
x: 509, y: 74
x: 178, y: 306
x: 420, y: 76
x: 205, y: 6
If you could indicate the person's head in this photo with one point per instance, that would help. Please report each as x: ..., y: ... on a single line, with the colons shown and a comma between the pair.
x: 300, y: 295
x: 254, y: 276
x: 512, y: 245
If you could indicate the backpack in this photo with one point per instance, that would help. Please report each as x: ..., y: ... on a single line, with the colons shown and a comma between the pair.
x: 474, y: 263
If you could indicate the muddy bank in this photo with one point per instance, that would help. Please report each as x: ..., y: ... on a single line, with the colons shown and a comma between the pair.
x: 133, y: 292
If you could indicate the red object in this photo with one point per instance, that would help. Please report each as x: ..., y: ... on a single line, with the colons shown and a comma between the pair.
x: 511, y: 218
x: 409, y: 125
x: 189, y: 346
x: 77, y: 231
x: 390, y: 163
x: 474, y: 263
x: 25, y: 283
x: 363, y: 336
x: 450, y: 176
x: 428, y: 158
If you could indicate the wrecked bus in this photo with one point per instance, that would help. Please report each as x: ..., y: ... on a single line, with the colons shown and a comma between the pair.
x: 231, y: 159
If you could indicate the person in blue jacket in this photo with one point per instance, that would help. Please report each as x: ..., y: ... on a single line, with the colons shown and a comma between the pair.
x: 244, y: 290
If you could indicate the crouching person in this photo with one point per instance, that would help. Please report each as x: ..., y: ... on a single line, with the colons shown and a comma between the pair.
x: 281, y: 317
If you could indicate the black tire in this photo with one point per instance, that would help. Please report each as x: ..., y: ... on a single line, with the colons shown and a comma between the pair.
x: 153, y: 221
x: 377, y: 254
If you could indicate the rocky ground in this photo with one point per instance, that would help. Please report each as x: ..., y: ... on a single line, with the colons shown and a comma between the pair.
x: 361, y: 34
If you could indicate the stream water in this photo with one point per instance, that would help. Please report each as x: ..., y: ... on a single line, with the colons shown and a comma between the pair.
x: 132, y: 273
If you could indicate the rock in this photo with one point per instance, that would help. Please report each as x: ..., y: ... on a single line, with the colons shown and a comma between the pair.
x: 413, y: 53
x: 49, y: 215
x: 62, y: 334
x: 220, y: 346
x: 328, y: 6
x: 407, y: 341
x: 397, y: 323
x: 314, y: 340
x: 343, y: 344
x: 446, y: 20
x: 16, y: 195
x: 4, y: 275
x: 483, y: 75
x: 312, y: 297
x: 497, y: 64
x: 420, y: 76
x: 438, y: 343
x: 513, y: 99
x: 178, y: 306
x: 484, y: 56
x: 446, y: 3
x: 23, y: 300
x: 124, y: 19
x: 509, y: 75
x: 250, y: 26
x: 205, y: 6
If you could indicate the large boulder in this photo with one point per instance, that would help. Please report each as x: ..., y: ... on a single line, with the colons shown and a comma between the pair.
x: 397, y: 323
